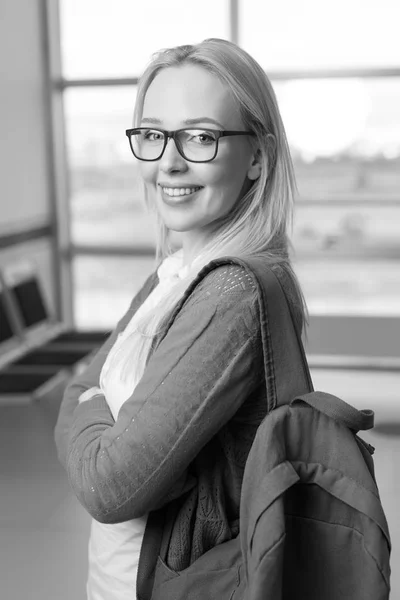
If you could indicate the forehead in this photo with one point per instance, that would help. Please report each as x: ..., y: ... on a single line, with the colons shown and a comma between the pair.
x: 190, y: 92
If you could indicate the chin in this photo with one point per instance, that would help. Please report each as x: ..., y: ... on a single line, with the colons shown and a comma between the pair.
x: 179, y: 227
x: 179, y: 222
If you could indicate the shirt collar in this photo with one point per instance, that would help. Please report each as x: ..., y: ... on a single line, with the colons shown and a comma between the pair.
x: 172, y: 267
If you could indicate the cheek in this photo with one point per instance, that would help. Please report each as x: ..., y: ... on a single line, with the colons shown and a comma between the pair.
x: 233, y: 169
x: 229, y: 186
x: 231, y: 179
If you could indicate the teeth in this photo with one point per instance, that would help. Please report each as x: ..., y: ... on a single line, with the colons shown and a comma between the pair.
x: 179, y: 191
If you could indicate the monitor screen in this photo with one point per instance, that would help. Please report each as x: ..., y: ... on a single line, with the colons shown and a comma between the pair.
x: 30, y: 301
x: 6, y: 332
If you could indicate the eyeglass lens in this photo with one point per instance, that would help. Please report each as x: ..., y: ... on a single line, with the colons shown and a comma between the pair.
x: 195, y: 144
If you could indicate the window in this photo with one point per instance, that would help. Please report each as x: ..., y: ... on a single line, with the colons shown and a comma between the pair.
x: 106, y: 202
x: 345, y: 142
x: 309, y: 35
x: 105, y: 287
x: 104, y: 40
x: 335, y: 68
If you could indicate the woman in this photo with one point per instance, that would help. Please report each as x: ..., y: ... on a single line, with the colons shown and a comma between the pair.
x: 165, y: 415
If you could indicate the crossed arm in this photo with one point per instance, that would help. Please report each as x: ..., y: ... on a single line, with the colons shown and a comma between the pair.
x: 194, y: 382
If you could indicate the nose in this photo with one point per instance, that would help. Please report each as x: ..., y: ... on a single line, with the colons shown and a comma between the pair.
x: 171, y: 160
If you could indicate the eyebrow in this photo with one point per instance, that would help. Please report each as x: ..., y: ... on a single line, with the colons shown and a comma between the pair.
x: 187, y: 121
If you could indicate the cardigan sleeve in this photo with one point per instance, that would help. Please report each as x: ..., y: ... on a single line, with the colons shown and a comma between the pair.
x: 194, y: 382
x: 90, y: 376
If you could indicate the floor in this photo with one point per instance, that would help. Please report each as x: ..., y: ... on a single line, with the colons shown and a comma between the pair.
x: 44, y: 531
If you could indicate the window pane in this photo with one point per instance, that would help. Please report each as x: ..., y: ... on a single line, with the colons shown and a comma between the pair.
x: 350, y: 287
x: 355, y: 121
x: 345, y: 141
x: 107, y: 203
x: 104, y: 39
x: 314, y: 34
x: 104, y: 288
x: 329, y: 231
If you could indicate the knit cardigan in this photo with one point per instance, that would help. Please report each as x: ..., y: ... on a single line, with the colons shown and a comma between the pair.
x: 187, y: 429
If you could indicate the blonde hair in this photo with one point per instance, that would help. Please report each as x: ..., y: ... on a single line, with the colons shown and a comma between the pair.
x: 259, y: 222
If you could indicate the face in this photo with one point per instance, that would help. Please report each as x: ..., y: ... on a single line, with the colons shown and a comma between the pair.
x: 176, y: 95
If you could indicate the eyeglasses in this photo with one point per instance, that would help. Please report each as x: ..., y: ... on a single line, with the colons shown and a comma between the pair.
x: 195, y: 145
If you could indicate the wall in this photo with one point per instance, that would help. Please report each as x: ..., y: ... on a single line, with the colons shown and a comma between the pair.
x: 25, y: 198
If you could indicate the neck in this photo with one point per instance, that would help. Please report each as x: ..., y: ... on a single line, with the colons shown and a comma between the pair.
x: 192, y: 245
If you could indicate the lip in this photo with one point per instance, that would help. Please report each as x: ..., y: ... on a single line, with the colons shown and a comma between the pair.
x: 179, y: 185
x: 177, y: 200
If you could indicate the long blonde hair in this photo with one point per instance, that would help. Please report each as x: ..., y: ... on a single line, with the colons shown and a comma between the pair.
x: 260, y: 221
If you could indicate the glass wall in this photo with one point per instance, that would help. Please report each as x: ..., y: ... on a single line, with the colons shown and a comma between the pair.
x: 308, y: 35
x: 106, y: 200
x: 344, y: 135
x: 103, y: 39
x: 105, y: 287
x: 335, y: 68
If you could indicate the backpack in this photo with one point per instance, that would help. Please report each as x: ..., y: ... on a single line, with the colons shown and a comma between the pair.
x: 312, y: 524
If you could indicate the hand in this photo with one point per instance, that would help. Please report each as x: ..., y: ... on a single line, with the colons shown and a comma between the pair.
x: 89, y: 394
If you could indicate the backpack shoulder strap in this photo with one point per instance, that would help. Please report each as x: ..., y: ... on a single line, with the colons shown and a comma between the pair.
x: 330, y: 405
x: 339, y: 410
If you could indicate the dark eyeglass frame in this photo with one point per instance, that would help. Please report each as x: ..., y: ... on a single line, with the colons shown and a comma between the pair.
x: 174, y: 136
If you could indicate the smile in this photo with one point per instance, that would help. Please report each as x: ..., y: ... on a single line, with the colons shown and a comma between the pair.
x: 180, y: 191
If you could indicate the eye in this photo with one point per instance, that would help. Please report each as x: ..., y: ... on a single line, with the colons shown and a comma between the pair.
x: 201, y: 137
x: 151, y: 135
x: 206, y: 138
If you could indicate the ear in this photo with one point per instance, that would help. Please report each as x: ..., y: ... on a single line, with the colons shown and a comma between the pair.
x: 254, y: 170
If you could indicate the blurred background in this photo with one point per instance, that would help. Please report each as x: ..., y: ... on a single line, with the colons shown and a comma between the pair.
x: 76, y: 242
